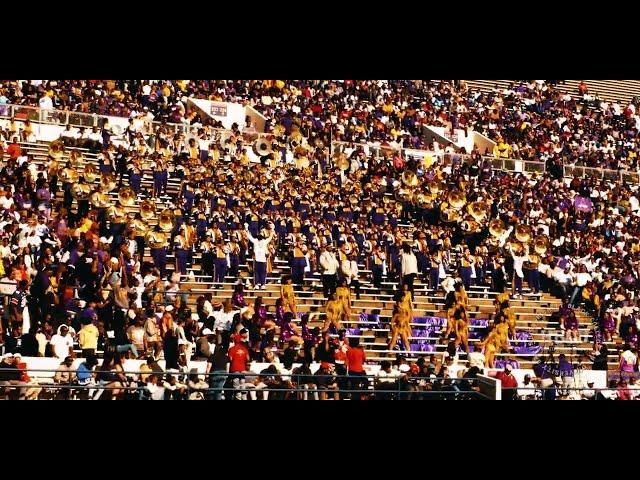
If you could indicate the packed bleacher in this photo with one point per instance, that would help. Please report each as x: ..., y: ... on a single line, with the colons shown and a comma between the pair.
x: 305, y: 268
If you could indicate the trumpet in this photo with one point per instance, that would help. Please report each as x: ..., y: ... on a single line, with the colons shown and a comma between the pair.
x: 147, y: 209
x: 127, y: 197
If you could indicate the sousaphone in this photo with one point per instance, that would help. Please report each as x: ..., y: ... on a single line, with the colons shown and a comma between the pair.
x: 262, y: 147
x: 478, y: 210
x: 497, y: 228
x: 409, y: 178
x: 90, y: 173
x: 166, y: 221
x: 100, y: 200
x: 523, y: 233
x: 456, y: 199
x: 69, y: 175
x: 80, y: 191
x: 107, y: 182
x: 541, y: 245
x: 127, y: 197
x: 147, y: 209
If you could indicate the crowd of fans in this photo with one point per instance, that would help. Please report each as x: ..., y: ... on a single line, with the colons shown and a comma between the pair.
x: 385, y: 221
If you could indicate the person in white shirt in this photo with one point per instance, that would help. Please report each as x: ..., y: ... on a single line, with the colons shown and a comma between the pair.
x: 46, y: 103
x: 350, y: 272
x: 329, y: 264
x: 62, y: 343
x: 518, y: 274
x: 409, y: 267
x: 260, y: 256
x: 581, y: 279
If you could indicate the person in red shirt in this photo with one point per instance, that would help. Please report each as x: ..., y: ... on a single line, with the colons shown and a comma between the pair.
x: 14, y: 150
x: 239, y: 364
x: 355, y: 367
x: 31, y: 392
x: 509, y: 383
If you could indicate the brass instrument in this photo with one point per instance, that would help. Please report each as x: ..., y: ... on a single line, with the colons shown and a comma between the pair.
x: 404, y: 195
x: 318, y: 143
x: 116, y: 214
x: 140, y: 227
x: 517, y: 247
x: 541, y: 245
x: 107, y: 182
x: 449, y: 215
x: 69, y: 175
x: 409, y: 178
x: 456, y: 199
x: 423, y: 200
x: 478, y: 210
x: 343, y: 162
x: 100, y: 200
x: 157, y: 239
x: 497, y: 228
x: 523, y: 233
x: 147, y: 209
x: 166, y: 221
x: 80, y: 191
x: 127, y: 197
x: 296, y: 140
x: 302, y: 163
x: 279, y: 130
x: 262, y: 147
x: 436, y: 187
x: 90, y: 173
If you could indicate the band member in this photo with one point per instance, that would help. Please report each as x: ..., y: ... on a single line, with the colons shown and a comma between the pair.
x: 400, y: 326
x: 288, y: 296
x: 343, y: 294
x: 260, y: 257
x: 435, y: 260
x: 220, y: 261
x: 334, y: 311
x: 465, y: 268
x: 181, y: 251
x: 378, y: 258
x: 518, y: 261
x: 158, y: 243
x: 299, y: 262
x: 207, y: 247
x: 533, y: 277
x: 330, y: 265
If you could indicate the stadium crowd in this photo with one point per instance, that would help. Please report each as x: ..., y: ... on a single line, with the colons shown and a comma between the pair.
x: 447, y: 222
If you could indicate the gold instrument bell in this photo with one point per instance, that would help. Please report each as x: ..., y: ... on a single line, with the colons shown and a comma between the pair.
x: 541, y: 244
x: 296, y: 140
x: 456, y: 199
x: 116, y: 214
x: 100, y: 200
x: 523, y: 233
x: 166, y: 220
x: 147, y: 209
x: 497, y: 228
x: 107, y: 182
x: 478, y: 210
x: 262, y: 147
x: 81, y: 191
x: 343, y: 162
x: 409, y: 178
x: 140, y: 227
x: 436, y: 187
x: 449, y: 215
x: 517, y: 247
x: 302, y: 162
x: 127, y: 197
x: 157, y: 239
x: 69, y: 175
x: 90, y: 173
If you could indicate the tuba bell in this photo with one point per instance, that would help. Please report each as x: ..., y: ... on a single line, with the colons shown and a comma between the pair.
x: 523, y: 233
x: 107, y: 182
x: 81, y: 191
x: 262, y: 147
x: 127, y: 197
x: 90, y: 173
x: 69, y: 175
x: 147, y: 209
x: 409, y: 178
x: 478, y: 210
x: 166, y: 221
x: 456, y: 199
x: 541, y: 244
x: 157, y: 239
x: 100, y: 200
x: 497, y: 228
x: 296, y: 140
